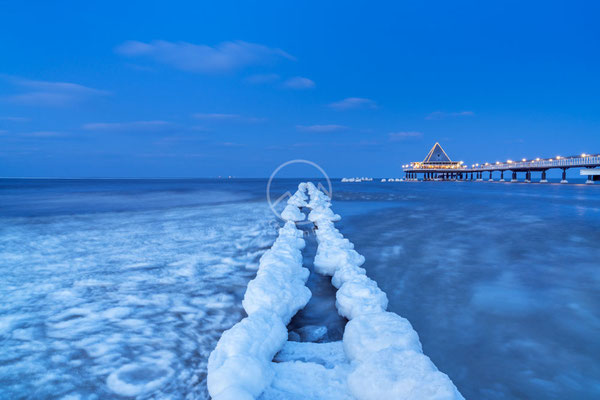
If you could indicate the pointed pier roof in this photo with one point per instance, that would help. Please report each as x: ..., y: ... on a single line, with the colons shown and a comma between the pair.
x: 437, y: 155
x: 436, y: 159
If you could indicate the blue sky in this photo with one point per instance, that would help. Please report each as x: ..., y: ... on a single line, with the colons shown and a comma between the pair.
x: 170, y: 89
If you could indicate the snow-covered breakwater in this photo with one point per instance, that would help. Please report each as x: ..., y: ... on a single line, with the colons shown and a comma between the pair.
x: 383, y: 348
x: 380, y: 356
x: 240, y: 366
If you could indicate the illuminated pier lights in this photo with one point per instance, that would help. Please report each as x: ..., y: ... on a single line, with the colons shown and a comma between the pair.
x: 438, y: 166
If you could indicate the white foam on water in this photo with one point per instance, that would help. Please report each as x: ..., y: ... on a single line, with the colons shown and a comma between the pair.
x: 122, y: 304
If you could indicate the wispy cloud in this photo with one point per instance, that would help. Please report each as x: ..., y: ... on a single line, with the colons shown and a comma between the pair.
x: 46, y: 93
x: 321, y: 128
x: 226, y: 117
x: 224, y: 57
x: 299, y: 82
x: 14, y: 119
x: 216, y: 116
x: 401, y: 136
x: 127, y: 126
x: 259, y: 79
x: 232, y: 144
x: 442, y: 114
x: 44, y: 134
x: 351, y: 103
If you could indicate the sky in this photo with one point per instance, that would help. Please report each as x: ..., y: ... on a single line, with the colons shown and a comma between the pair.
x: 206, y: 89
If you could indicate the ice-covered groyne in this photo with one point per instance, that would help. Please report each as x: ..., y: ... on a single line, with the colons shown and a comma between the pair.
x: 380, y: 356
x: 240, y: 367
x: 385, y: 353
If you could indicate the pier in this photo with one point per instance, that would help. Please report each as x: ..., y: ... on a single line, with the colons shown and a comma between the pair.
x: 437, y: 166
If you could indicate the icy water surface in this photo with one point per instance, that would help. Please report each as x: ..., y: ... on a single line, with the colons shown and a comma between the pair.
x: 120, y: 289
x: 501, y: 281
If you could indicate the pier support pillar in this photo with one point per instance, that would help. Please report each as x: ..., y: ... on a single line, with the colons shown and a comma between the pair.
x: 590, y: 180
x: 528, y: 176
x: 514, y: 177
x: 544, y: 180
x: 479, y: 179
x: 491, y: 177
x: 501, y: 176
x: 564, y: 176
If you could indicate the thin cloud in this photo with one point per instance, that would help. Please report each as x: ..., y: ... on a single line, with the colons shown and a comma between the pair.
x: 224, y: 57
x: 226, y: 117
x: 260, y: 79
x: 320, y: 128
x: 215, y: 116
x: 401, y: 136
x: 351, y: 103
x: 14, y: 119
x: 44, y: 134
x: 232, y: 144
x: 127, y: 126
x: 436, y: 115
x: 54, y: 94
x: 299, y: 82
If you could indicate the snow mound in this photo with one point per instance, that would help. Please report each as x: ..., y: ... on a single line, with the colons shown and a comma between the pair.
x: 240, y: 366
x: 358, y: 297
x: 299, y: 198
x: 279, y: 285
x: 370, y: 333
x: 292, y: 213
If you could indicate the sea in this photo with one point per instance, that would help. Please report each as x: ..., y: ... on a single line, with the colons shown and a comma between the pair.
x: 120, y: 289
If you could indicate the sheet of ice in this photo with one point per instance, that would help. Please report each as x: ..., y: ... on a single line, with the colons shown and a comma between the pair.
x: 305, y: 370
x: 240, y: 367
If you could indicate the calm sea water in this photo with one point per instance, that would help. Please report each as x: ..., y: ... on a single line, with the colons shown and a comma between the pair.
x: 121, y: 288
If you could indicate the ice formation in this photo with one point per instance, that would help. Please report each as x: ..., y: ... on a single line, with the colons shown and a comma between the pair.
x: 380, y: 356
x: 240, y: 367
x: 385, y: 352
